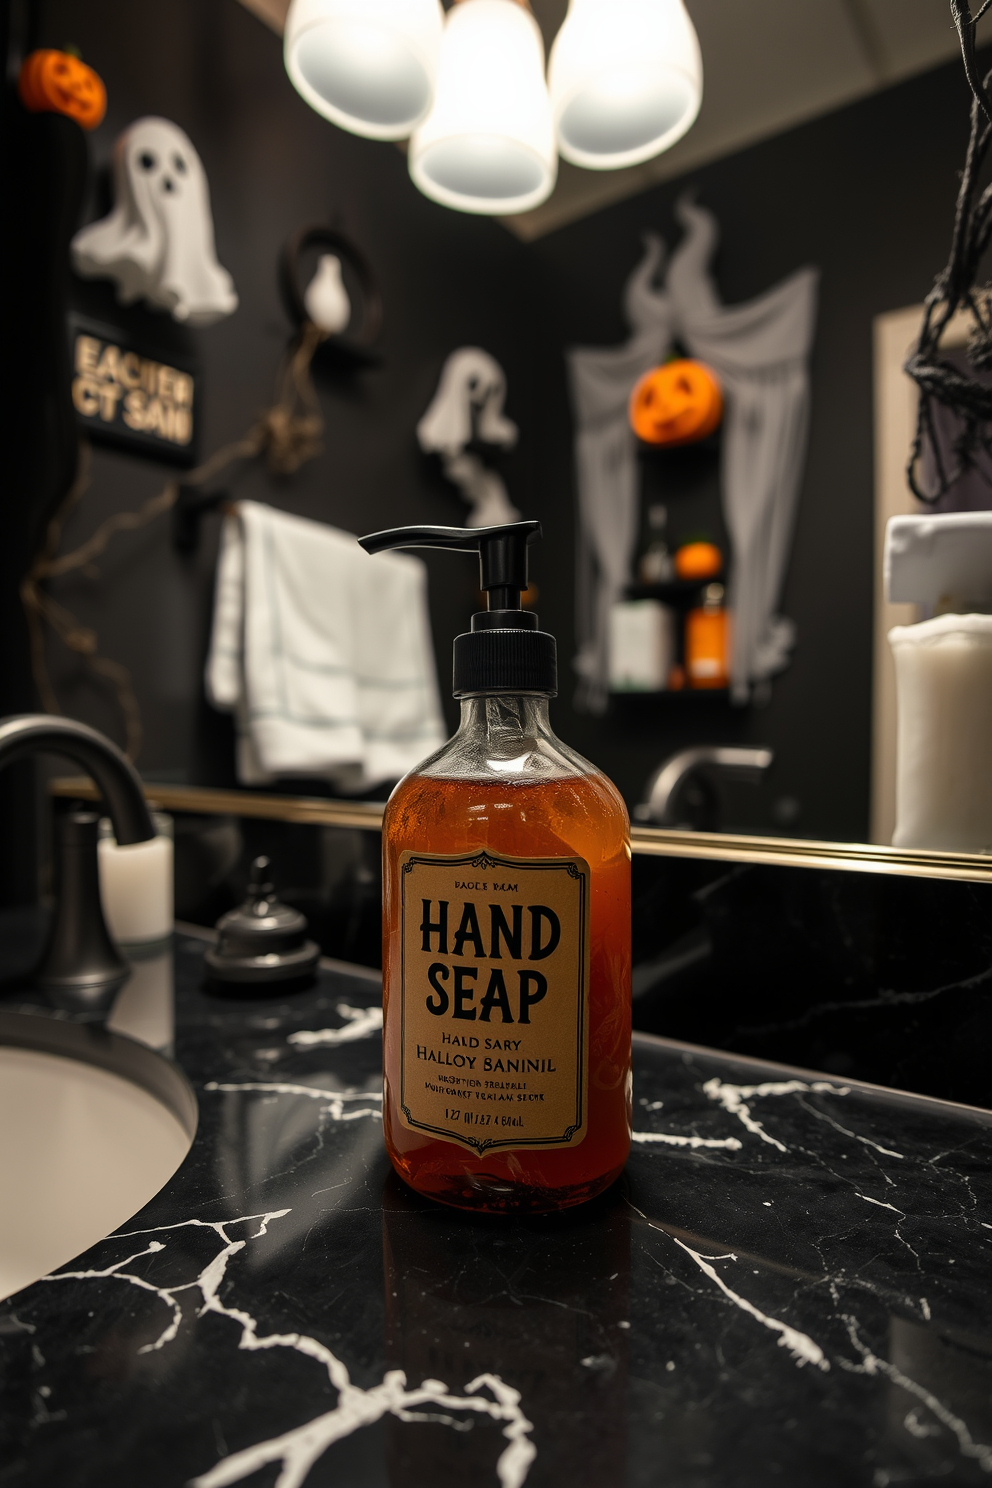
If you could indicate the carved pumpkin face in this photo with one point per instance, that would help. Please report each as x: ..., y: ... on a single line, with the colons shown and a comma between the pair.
x: 53, y: 82
x: 676, y: 404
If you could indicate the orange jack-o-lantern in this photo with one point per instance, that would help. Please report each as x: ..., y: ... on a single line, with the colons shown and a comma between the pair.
x: 676, y: 403
x: 53, y: 82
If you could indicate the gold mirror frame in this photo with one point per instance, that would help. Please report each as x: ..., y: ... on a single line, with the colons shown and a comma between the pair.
x: 659, y: 842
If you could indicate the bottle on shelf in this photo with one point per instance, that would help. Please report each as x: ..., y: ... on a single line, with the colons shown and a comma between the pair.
x: 655, y: 565
x: 642, y: 642
x: 707, y: 637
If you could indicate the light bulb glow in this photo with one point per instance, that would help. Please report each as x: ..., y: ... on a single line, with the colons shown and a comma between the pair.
x: 367, y: 65
x: 626, y: 80
x: 488, y: 143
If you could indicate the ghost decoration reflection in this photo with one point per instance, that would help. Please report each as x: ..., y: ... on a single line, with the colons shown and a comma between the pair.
x: 467, y: 406
x: 326, y: 299
x: 158, y: 242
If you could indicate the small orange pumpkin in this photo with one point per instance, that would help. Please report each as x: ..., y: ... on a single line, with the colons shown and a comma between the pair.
x: 53, y: 82
x: 698, y: 560
x: 676, y: 403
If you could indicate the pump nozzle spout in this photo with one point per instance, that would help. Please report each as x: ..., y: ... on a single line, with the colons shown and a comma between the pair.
x: 504, y: 652
x: 502, y: 553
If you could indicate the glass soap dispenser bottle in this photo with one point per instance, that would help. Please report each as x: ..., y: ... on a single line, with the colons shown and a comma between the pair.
x: 506, y: 928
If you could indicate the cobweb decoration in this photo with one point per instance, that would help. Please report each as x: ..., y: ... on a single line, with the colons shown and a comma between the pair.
x: 933, y: 469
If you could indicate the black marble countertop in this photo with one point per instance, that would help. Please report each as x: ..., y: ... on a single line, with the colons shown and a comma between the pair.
x: 789, y: 1284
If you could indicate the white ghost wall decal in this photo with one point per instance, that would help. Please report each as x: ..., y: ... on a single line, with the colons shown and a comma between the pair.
x: 158, y: 242
x: 326, y: 299
x: 468, y: 405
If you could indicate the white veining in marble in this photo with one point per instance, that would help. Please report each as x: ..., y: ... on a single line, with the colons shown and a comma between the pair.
x: 872, y: 1364
x: 879, y: 1202
x: 803, y: 1349
x: 845, y: 1131
x: 360, y: 1023
x: 207, y: 1282
x: 734, y: 1098
x: 671, y: 1139
x: 299, y: 1449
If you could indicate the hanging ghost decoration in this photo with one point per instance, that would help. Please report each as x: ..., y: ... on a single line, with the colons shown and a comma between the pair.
x: 326, y: 299
x: 467, y: 406
x: 760, y: 350
x: 158, y: 242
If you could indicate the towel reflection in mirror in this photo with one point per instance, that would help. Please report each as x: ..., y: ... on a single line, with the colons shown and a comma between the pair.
x: 323, y: 655
x: 468, y: 408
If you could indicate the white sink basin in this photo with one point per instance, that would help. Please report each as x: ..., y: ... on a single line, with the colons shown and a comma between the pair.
x: 92, y: 1125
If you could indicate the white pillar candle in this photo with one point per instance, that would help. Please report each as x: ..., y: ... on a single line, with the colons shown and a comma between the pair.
x: 944, y: 700
x: 136, y: 889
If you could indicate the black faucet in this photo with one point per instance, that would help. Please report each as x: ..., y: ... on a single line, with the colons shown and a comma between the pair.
x: 82, y: 969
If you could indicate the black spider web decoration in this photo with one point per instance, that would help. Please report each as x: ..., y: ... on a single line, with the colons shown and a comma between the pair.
x: 954, y: 290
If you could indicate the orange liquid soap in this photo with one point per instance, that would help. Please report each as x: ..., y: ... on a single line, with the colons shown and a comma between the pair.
x: 506, y: 932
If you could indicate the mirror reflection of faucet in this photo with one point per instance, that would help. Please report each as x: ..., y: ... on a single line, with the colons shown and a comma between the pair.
x: 680, y: 794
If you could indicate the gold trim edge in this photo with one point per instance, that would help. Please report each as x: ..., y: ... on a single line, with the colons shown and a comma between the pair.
x: 366, y: 816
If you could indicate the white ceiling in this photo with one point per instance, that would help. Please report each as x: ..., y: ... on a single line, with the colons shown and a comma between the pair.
x: 768, y: 65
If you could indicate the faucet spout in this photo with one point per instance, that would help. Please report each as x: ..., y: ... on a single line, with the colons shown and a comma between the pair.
x: 118, y: 781
x: 82, y: 969
x: 743, y: 763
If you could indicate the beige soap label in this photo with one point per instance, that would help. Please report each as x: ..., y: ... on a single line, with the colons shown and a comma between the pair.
x: 495, y: 999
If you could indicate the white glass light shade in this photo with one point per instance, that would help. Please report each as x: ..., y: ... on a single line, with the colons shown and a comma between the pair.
x: 367, y: 65
x: 488, y: 143
x: 626, y: 80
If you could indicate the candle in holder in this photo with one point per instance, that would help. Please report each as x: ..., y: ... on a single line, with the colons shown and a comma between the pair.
x: 136, y: 885
x: 944, y: 694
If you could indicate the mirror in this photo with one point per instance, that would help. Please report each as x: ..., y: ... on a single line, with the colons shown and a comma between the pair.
x: 824, y: 147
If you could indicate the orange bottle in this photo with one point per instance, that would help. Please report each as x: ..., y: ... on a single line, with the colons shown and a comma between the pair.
x: 707, y: 641
x: 506, y: 929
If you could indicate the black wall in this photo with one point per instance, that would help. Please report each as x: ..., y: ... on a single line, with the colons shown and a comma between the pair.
x: 865, y: 193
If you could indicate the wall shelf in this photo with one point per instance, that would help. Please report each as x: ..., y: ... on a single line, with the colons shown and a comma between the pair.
x: 684, y: 694
x: 682, y: 593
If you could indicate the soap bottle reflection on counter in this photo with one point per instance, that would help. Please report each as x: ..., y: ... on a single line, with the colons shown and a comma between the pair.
x: 506, y: 928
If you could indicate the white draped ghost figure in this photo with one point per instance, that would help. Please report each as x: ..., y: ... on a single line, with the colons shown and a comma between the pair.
x: 158, y: 242
x: 760, y: 349
x: 326, y: 299
x: 468, y: 405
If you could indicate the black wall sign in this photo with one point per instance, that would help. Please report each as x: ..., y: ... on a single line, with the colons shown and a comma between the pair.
x: 131, y: 395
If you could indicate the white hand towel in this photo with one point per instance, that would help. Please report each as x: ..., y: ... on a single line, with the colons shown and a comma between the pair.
x: 322, y: 653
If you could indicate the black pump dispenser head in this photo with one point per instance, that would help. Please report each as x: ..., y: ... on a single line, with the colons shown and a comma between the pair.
x: 504, y: 652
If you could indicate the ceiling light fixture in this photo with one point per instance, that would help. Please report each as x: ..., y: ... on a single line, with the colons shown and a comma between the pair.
x: 488, y: 144
x: 626, y: 80
x: 367, y: 65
